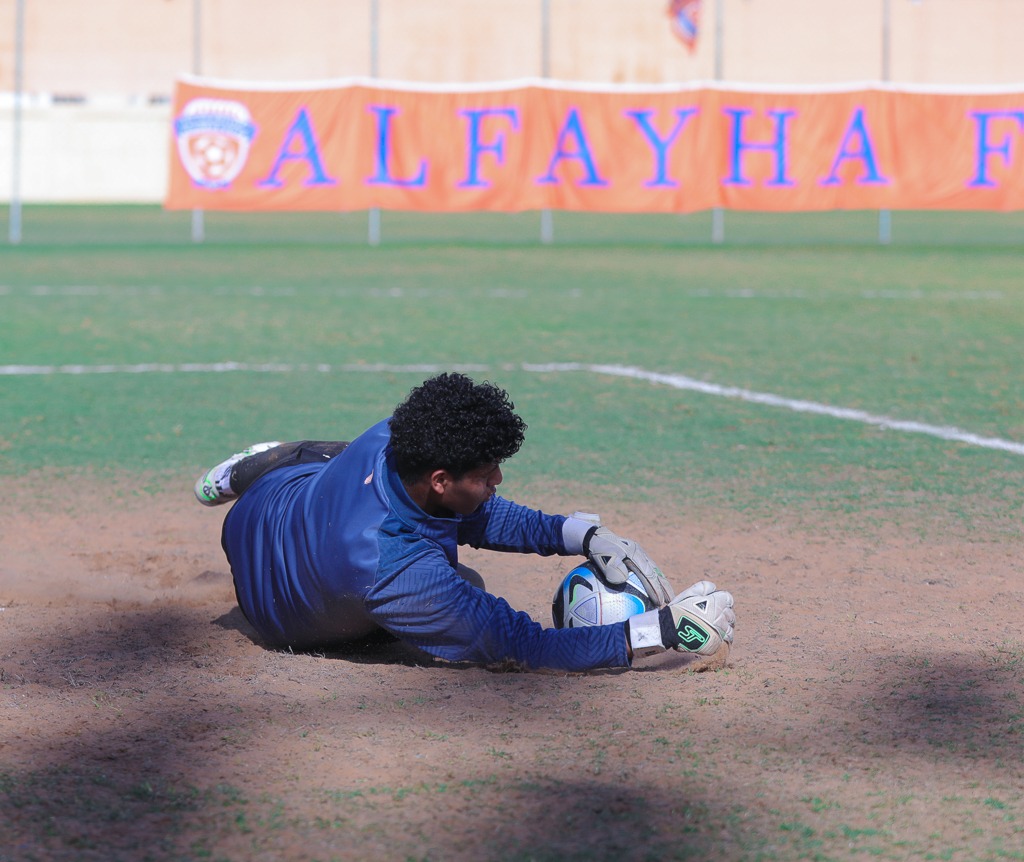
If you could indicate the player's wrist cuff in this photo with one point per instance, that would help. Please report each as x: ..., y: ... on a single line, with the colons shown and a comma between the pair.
x: 644, y: 633
x: 574, y: 531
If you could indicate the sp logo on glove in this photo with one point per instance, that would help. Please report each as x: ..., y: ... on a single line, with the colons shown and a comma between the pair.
x: 691, y: 636
x: 699, y: 620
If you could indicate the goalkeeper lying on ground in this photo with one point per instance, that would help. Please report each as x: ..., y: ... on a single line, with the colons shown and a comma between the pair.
x: 331, y: 542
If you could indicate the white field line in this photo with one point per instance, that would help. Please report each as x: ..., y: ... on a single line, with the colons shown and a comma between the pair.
x: 226, y: 367
x: 679, y: 381
x: 675, y: 381
x: 42, y: 291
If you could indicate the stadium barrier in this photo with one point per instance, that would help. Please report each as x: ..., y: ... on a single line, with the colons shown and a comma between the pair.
x: 85, y: 89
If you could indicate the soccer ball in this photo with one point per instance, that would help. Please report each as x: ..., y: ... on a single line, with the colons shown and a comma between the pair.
x: 585, y: 599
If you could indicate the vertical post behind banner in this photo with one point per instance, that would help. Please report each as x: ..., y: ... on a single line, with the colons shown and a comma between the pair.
x: 373, y: 216
x: 14, y: 224
x: 198, y: 219
x: 547, y: 221
x: 885, y: 216
x: 718, y: 213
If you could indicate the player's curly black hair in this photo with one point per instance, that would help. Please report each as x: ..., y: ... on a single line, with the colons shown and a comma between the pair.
x: 452, y: 423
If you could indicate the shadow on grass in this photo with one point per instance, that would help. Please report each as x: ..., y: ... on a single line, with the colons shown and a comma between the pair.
x: 139, y: 734
x: 377, y: 648
x: 964, y: 705
x: 166, y: 734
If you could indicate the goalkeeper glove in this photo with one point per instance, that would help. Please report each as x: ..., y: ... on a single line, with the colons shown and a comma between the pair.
x: 699, y: 620
x: 615, y: 557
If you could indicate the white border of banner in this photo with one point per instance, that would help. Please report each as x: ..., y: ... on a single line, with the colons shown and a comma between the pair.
x: 586, y: 87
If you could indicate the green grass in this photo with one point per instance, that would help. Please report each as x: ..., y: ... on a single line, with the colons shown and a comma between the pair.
x: 150, y: 225
x: 929, y: 333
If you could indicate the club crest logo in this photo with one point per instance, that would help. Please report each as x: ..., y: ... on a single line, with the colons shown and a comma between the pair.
x: 213, y: 138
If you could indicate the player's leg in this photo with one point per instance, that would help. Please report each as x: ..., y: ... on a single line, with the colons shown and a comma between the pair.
x: 231, y: 477
x: 248, y: 470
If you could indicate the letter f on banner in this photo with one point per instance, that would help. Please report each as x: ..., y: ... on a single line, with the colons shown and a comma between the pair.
x: 987, y: 149
x: 475, y: 146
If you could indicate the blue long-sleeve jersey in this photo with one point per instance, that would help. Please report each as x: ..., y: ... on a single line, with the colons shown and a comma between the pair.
x: 326, y: 553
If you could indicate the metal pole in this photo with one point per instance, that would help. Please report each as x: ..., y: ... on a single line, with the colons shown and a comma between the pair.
x: 718, y: 213
x: 374, y: 38
x: 547, y: 220
x: 14, y: 223
x: 885, y: 227
x: 545, y: 38
x: 198, y: 218
x: 886, y: 39
x: 885, y: 216
x: 719, y: 39
x: 373, y: 216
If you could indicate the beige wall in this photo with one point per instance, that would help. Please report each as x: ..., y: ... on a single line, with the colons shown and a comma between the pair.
x: 959, y: 41
x: 129, y: 46
x: 138, y: 46
x: 268, y: 40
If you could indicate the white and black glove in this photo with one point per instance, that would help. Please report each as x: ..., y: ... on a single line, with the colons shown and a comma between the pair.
x: 699, y: 620
x: 615, y: 557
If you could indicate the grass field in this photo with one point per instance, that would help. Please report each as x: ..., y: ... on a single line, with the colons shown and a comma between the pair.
x: 922, y: 333
x: 744, y: 400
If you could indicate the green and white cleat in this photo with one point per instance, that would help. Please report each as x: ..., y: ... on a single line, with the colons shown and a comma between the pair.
x: 214, y: 486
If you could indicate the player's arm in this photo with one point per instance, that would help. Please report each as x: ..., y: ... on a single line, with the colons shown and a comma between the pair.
x: 501, y: 525
x: 427, y: 605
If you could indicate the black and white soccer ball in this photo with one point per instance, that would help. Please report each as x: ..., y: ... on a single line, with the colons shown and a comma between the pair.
x: 584, y: 598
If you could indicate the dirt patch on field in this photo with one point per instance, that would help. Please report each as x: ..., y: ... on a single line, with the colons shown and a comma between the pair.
x: 871, y: 705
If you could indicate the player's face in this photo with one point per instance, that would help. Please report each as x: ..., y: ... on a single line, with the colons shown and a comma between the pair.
x: 469, y: 492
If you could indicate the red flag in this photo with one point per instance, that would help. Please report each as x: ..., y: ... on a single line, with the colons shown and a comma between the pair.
x: 684, y: 16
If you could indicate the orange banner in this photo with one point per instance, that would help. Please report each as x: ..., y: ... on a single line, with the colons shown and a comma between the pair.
x: 535, y: 145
